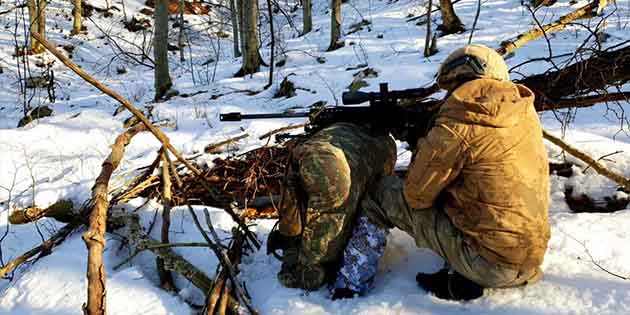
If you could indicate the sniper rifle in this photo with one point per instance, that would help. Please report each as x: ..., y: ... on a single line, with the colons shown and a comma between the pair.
x: 384, y: 114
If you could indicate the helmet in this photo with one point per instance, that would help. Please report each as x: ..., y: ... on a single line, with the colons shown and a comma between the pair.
x: 471, y: 62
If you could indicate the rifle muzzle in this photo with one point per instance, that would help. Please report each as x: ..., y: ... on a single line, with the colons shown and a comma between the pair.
x: 235, y: 116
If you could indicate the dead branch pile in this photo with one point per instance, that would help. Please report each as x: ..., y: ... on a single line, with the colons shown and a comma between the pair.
x: 243, y: 179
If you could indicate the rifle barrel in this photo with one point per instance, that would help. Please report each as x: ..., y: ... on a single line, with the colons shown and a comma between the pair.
x: 237, y: 116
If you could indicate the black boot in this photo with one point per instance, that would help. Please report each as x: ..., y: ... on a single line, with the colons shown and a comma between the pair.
x: 344, y: 293
x: 449, y: 285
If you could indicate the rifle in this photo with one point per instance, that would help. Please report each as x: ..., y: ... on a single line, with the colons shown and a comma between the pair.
x: 383, y: 115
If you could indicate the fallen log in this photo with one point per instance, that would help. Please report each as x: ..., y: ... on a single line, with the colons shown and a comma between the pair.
x: 557, y: 89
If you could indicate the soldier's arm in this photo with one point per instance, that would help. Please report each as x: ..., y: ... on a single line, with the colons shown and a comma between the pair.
x: 437, y: 162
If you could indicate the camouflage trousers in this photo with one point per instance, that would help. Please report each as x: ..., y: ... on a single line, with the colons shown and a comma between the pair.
x: 431, y: 228
x: 327, y: 176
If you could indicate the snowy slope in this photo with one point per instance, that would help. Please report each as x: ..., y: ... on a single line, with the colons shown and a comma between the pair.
x: 62, y: 155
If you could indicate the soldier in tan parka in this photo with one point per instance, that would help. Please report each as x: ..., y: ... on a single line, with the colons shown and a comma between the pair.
x: 477, y: 189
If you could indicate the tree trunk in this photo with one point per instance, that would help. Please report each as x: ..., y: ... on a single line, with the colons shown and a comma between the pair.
x: 450, y: 21
x: 335, y: 26
x: 251, y: 55
x: 78, y: 17
x: 241, y: 31
x: 273, y: 44
x: 307, y: 16
x: 180, y: 38
x: 37, y: 19
x: 427, y: 42
x: 235, y: 27
x: 160, y: 50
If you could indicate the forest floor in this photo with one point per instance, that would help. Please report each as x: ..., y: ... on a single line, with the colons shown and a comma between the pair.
x: 59, y: 157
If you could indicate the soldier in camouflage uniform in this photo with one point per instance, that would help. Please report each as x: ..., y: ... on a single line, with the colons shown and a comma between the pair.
x: 327, y: 176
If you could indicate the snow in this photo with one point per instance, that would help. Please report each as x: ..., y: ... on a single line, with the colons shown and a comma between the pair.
x: 61, y: 156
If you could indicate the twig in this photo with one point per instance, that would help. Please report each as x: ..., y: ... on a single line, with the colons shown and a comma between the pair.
x: 213, y: 148
x: 223, y: 259
x: 598, y: 265
x: 601, y: 158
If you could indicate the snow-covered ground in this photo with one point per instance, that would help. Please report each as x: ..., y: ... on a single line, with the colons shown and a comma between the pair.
x: 61, y: 156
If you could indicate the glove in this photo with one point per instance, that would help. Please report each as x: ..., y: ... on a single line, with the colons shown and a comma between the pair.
x: 278, y: 241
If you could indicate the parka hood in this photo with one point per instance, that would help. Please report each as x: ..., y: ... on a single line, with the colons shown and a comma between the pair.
x: 488, y: 102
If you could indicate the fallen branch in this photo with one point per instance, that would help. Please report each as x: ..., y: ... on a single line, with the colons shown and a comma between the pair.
x: 41, y: 250
x: 583, y: 12
x: 94, y: 237
x: 60, y: 211
x: 586, y: 101
x: 599, y: 168
x: 172, y: 261
x: 166, y: 278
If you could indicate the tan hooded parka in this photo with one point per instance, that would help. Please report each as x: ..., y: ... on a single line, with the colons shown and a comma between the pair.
x: 485, y: 162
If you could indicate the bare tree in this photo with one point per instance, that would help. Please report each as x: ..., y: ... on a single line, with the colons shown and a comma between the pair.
x: 78, y: 17
x: 160, y: 50
x: 235, y: 27
x: 180, y: 37
x: 428, y: 51
x: 273, y: 44
x: 37, y: 16
x: 307, y: 16
x: 249, y: 35
x: 451, y: 23
x: 335, y: 26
